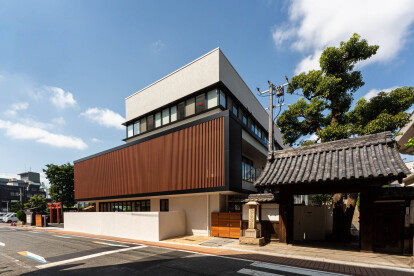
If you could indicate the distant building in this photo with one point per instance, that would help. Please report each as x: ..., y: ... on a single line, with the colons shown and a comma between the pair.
x: 12, y: 189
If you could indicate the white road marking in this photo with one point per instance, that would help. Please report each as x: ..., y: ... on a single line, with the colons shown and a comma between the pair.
x: 111, y: 244
x: 33, y: 256
x: 89, y: 257
x: 247, y: 271
x: 2, y: 244
x: 65, y: 237
x: 296, y: 270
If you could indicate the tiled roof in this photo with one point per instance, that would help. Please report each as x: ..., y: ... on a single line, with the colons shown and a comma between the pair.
x: 261, y: 198
x: 370, y: 156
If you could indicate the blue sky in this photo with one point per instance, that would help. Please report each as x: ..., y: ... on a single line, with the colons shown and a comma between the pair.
x: 67, y: 66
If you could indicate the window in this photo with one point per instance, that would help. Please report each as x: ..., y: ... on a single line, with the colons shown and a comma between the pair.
x: 211, y: 98
x: 181, y: 111
x: 130, y: 131
x: 143, y: 124
x: 235, y: 110
x: 164, y: 205
x: 137, y: 128
x: 173, y: 113
x: 150, y: 122
x: 158, y: 119
x: 200, y: 103
x: 249, y: 173
x: 252, y: 127
x: 223, y: 99
x: 142, y: 206
x: 245, y: 120
x: 189, y: 107
x: 165, y: 116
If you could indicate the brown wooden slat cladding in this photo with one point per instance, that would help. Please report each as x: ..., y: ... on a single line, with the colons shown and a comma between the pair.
x: 192, y: 158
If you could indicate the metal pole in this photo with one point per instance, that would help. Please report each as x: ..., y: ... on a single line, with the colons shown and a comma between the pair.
x: 270, y: 130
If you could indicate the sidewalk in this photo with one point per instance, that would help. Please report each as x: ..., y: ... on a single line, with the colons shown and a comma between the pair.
x: 347, y: 262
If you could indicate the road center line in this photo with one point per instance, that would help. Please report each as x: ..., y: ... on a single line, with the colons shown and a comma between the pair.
x: 89, y: 257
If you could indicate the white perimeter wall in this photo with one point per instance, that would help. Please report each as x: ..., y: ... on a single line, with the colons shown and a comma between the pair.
x: 196, y: 211
x: 150, y: 226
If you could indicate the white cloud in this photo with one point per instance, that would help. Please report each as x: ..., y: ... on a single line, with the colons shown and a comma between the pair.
x: 20, y: 106
x: 374, y: 92
x: 20, y: 131
x: 311, y: 62
x: 60, y: 98
x: 16, y: 107
x: 96, y: 140
x: 313, y: 25
x: 104, y: 117
x: 59, y: 121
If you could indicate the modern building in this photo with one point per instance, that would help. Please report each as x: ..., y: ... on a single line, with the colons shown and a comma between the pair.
x: 12, y: 190
x: 196, y: 140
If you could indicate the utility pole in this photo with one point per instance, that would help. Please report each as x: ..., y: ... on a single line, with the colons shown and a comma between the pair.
x: 279, y: 94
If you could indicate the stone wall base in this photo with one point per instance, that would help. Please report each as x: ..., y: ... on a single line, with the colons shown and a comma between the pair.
x: 252, y: 241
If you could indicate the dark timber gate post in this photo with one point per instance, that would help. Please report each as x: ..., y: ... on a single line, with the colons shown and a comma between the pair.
x: 286, y: 216
x: 366, y: 220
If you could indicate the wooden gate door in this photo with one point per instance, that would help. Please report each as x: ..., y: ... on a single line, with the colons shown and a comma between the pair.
x: 225, y: 225
x: 389, y: 227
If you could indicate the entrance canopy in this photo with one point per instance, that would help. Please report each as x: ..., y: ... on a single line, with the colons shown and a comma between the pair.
x: 371, y: 157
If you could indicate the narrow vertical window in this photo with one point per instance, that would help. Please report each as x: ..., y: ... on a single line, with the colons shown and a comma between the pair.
x: 137, y: 129
x: 200, y: 103
x: 130, y: 130
x: 244, y: 120
x: 189, y: 107
x: 143, y: 125
x: 223, y: 99
x: 164, y: 205
x: 173, y: 113
x: 212, y: 98
x: 158, y: 119
x: 181, y: 111
x: 165, y: 116
x: 235, y: 110
x: 150, y: 122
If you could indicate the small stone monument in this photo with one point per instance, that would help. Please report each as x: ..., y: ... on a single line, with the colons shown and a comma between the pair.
x: 252, y: 234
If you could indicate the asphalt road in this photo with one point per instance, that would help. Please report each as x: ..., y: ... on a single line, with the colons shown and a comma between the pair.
x: 27, y: 252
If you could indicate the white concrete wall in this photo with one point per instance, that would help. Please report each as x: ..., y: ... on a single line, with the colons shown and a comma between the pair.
x: 194, y: 76
x: 150, y: 226
x: 198, y: 217
x: 312, y: 222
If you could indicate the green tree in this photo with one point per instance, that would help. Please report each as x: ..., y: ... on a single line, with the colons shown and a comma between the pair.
x: 16, y: 206
x: 38, y: 202
x: 324, y: 109
x: 61, y: 179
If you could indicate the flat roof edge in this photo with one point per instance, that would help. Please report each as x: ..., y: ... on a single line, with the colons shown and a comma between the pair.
x: 179, y: 69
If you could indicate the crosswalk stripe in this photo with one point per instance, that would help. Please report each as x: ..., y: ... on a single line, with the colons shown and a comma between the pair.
x: 2, y: 244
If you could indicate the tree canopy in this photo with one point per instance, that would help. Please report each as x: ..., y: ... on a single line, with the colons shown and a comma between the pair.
x: 328, y: 94
x: 61, y: 178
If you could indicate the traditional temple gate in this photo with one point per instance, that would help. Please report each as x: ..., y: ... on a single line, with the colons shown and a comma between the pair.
x: 356, y: 165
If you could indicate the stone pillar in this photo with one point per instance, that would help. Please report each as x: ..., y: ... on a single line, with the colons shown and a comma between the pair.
x: 252, y: 234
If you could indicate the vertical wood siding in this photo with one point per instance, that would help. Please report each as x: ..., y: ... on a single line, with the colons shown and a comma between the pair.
x: 192, y: 158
